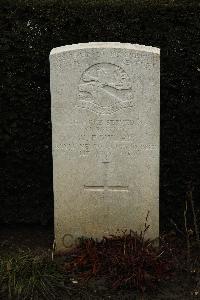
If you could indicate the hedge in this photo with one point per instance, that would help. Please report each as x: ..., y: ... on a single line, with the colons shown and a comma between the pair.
x: 30, y: 29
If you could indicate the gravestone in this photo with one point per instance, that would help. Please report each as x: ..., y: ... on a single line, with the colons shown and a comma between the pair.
x: 105, y: 131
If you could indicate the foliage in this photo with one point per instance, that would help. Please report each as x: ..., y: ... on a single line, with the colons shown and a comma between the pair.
x: 30, y: 29
x: 126, y: 260
x: 26, y: 277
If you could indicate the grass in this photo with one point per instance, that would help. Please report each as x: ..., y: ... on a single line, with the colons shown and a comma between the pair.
x: 126, y: 263
x: 25, y: 276
x: 121, y: 266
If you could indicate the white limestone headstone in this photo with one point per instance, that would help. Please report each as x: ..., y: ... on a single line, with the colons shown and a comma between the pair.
x: 105, y: 124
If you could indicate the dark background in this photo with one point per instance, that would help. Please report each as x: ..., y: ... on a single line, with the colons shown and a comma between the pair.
x: 29, y: 30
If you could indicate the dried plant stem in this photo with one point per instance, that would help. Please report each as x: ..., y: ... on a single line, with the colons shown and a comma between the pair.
x: 178, y: 229
x: 187, y: 236
x: 53, y: 250
x: 190, y: 197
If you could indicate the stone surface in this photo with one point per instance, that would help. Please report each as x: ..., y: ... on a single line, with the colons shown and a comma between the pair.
x: 105, y: 123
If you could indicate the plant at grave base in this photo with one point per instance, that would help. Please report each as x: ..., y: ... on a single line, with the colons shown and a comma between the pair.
x: 191, y: 231
x: 191, y: 201
x: 126, y: 260
x: 27, y: 277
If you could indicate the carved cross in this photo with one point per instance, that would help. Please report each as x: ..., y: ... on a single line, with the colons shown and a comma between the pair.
x: 106, y: 187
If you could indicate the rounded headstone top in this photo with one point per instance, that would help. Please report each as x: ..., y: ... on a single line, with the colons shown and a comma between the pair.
x: 109, y: 45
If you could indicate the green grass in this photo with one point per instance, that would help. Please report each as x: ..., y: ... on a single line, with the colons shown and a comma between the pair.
x: 25, y: 276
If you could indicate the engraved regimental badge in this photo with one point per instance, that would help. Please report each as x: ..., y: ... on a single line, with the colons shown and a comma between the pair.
x: 105, y: 88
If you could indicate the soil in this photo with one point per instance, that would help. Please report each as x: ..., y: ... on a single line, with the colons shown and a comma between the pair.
x: 182, y: 284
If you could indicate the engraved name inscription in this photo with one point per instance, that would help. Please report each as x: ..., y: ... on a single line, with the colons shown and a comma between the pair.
x: 90, y: 148
x: 105, y: 88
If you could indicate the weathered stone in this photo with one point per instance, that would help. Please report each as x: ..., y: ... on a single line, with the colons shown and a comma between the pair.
x: 105, y: 122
